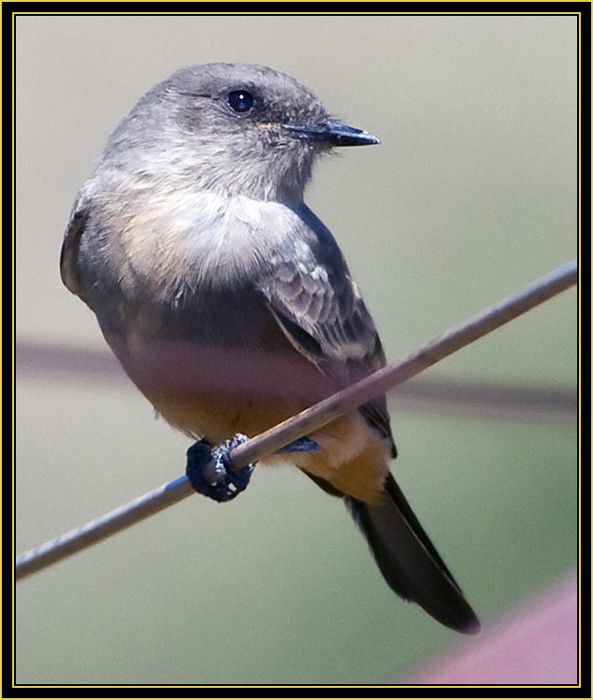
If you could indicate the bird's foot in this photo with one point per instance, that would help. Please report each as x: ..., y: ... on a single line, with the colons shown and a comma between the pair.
x: 211, y: 472
x: 302, y: 444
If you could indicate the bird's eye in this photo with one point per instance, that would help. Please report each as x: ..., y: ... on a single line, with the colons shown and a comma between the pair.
x: 240, y: 100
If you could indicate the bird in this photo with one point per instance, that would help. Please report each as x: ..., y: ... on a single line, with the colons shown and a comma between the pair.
x: 230, y: 304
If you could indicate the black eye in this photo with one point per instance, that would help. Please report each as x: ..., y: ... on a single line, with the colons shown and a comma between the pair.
x: 241, y: 100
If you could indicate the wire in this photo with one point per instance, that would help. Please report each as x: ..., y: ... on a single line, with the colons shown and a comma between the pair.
x: 40, y: 361
x: 307, y: 421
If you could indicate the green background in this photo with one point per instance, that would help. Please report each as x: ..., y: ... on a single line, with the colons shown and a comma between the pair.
x: 471, y: 195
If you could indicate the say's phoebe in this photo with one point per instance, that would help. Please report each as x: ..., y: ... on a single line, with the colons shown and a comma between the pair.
x: 229, y: 303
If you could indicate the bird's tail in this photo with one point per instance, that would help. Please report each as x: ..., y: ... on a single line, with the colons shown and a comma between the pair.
x: 408, y: 560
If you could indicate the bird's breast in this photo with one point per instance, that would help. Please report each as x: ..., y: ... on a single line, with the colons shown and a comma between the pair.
x: 184, y: 265
x: 188, y: 239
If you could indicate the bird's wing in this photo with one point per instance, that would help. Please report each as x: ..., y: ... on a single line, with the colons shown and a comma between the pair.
x: 69, y: 267
x: 319, y: 308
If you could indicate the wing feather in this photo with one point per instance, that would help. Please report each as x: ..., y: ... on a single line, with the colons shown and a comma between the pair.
x: 319, y: 308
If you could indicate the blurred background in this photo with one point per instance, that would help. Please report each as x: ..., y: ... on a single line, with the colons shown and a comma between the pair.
x: 471, y: 195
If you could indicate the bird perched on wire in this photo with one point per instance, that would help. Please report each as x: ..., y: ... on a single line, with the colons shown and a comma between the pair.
x: 229, y: 303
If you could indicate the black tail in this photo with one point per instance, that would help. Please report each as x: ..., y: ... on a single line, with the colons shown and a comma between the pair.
x: 409, y: 562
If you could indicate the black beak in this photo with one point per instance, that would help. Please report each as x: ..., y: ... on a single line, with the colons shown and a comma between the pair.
x: 333, y: 132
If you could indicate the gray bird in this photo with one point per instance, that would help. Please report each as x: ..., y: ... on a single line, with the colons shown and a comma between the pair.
x: 229, y: 303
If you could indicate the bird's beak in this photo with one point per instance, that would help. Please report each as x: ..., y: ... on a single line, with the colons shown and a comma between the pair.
x: 332, y: 132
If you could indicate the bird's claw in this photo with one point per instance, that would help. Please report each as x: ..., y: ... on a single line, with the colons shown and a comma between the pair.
x: 211, y: 473
x: 302, y: 444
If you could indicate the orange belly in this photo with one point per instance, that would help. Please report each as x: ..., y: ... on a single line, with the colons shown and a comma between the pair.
x: 353, y: 457
x: 216, y: 393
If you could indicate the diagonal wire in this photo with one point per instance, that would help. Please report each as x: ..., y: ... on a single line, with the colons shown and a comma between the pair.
x: 309, y: 420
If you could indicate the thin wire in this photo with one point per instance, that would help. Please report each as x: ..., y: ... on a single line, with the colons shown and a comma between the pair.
x: 307, y: 421
x: 398, y: 372
x: 551, y: 404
